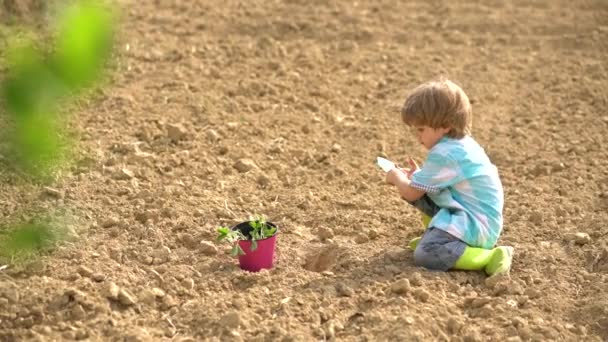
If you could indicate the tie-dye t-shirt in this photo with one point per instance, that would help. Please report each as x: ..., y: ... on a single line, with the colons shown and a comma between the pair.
x: 459, y: 177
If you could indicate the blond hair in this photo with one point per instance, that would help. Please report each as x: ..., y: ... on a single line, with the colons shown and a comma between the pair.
x: 439, y: 104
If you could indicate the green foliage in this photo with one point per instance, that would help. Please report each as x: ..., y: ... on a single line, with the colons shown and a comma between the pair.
x: 260, y: 230
x: 232, y: 237
x: 83, y: 44
x: 22, y: 241
x: 38, y: 82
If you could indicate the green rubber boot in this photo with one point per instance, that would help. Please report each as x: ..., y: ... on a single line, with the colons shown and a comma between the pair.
x: 501, y: 261
x: 492, y: 261
x: 414, y: 243
x: 426, y: 219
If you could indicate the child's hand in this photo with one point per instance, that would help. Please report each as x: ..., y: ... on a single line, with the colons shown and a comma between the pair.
x: 396, y: 176
x: 413, y: 168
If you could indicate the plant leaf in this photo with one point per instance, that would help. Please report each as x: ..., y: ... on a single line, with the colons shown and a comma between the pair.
x: 254, y: 245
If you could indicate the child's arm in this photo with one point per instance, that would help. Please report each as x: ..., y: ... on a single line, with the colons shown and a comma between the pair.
x: 400, y: 179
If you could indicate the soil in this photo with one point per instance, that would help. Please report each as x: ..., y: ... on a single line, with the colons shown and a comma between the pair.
x: 217, y: 110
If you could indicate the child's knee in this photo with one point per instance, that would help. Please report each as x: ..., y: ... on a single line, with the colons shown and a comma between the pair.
x: 429, y: 259
x: 424, y: 258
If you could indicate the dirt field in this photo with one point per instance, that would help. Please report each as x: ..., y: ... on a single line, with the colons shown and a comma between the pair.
x: 303, y: 95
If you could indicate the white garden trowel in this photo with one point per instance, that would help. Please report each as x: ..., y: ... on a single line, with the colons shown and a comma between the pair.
x: 385, y: 164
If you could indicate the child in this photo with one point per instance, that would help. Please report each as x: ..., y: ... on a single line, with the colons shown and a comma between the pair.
x: 457, y: 187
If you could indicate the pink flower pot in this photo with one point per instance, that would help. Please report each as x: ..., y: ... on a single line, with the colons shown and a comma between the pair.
x: 263, y: 256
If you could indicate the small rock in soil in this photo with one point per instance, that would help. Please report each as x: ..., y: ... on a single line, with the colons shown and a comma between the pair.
x: 361, y: 238
x: 454, y: 325
x: 322, y: 259
x: 98, y: 277
x: 111, y: 291
x: 422, y: 295
x: 244, y: 165
x: 344, y: 290
x: 175, y: 132
x: 207, y: 248
x: 123, y: 174
x: 187, y: 240
x: 416, y: 279
x: 325, y: 233
x: 168, y: 302
x: 110, y: 222
x: 147, y: 297
x: 188, y: 283
x: 263, y: 181
x: 213, y: 135
x: 579, y: 238
x: 163, y: 254
x: 85, y: 271
x: 52, y: 192
x: 125, y: 298
x: 231, y: 320
x: 401, y: 286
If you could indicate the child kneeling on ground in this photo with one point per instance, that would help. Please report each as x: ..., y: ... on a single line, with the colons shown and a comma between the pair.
x: 457, y: 187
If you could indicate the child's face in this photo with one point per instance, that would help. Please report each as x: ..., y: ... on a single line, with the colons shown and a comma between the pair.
x: 429, y: 136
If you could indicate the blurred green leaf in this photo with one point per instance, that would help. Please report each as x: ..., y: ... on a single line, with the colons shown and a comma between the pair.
x: 83, y: 44
x: 27, y: 239
x: 38, y: 142
x: 30, y: 86
x: 37, y: 82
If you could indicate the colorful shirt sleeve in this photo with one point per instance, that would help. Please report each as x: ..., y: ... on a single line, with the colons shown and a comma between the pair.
x: 437, y: 173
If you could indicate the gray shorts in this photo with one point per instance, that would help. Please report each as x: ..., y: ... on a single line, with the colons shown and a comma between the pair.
x: 437, y: 250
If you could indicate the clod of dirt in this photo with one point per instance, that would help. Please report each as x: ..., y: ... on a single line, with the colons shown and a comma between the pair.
x: 361, y: 238
x: 207, y: 248
x: 536, y: 218
x: 422, y: 294
x: 325, y: 233
x: 141, y: 157
x: 231, y: 320
x: 401, y: 286
x: 416, y: 279
x: 85, y: 271
x: 148, y: 215
x: 579, y: 238
x: 98, y: 277
x: 162, y: 254
x: 454, y: 325
x: 187, y: 240
x: 336, y: 148
x: 244, y: 165
x: 52, y: 192
x: 213, y: 135
x: 147, y: 297
x: 344, y: 290
x: 110, y: 222
x: 322, y: 259
x: 263, y: 181
x: 9, y: 292
x: 188, y: 283
x: 77, y: 312
x: 168, y: 302
x: 176, y: 132
x: 123, y: 174
x: 111, y: 291
x: 125, y: 298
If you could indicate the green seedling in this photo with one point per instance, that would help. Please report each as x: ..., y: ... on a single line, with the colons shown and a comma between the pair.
x: 232, y: 237
x: 260, y: 230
